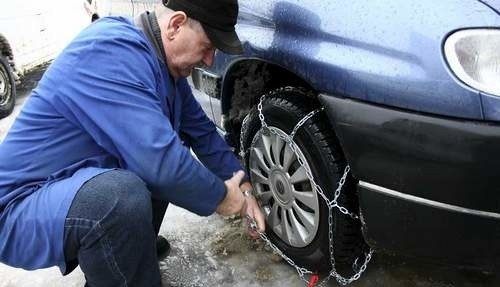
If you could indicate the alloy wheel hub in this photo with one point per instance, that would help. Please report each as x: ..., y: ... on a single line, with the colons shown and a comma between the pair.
x: 281, y: 187
x: 285, y: 193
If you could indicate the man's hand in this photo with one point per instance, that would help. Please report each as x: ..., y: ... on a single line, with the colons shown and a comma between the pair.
x: 252, y: 210
x: 234, y: 200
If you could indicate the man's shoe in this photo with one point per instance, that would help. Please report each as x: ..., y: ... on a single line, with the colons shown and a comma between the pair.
x: 162, y: 247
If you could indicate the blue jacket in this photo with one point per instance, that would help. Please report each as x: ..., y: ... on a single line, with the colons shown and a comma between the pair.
x: 106, y: 102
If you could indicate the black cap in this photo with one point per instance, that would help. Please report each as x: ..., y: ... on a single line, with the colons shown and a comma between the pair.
x: 217, y: 17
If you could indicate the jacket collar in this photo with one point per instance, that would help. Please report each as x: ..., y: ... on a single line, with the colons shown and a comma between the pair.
x: 148, y: 22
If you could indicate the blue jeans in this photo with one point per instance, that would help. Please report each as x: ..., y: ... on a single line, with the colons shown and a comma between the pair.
x: 110, y: 231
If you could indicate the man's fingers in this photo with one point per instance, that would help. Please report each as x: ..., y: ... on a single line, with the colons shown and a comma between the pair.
x: 252, y: 230
x: 253, y: 233
x: 255, y: 215
x: 258, y: 216
x: 261, y: 223
x: 237, y: 177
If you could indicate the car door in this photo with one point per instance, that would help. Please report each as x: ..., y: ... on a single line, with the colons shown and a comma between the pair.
x: 22, y: 26
x: 203, y: 99
x: 62, y: 21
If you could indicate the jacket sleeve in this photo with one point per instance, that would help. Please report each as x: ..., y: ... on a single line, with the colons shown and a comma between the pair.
x: 110, y: 92
x: 202, y: 136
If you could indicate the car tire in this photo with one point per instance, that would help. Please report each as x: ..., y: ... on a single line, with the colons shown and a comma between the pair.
x: 282, y: 109
x: 7, y: 88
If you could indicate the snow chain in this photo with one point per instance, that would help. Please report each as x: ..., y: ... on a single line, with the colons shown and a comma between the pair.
x: 303, y: 272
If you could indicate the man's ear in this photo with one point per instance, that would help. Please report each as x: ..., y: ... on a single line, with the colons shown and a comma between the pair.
x: 177, y: 20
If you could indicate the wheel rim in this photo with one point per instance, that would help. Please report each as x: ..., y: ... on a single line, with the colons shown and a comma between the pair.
x: 284, y: 191
x: 4, y: 80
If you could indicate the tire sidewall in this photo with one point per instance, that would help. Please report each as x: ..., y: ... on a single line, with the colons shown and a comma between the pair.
x: 7, y: 107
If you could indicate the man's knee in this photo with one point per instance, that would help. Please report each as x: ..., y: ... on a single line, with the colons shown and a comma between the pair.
x: 133, y: 198
x: 118, y: 193
x: 120, y: 181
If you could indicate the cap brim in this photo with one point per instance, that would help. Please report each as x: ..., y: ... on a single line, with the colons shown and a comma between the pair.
x: 226, y: 41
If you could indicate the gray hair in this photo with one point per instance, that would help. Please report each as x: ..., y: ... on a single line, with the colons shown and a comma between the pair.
x: 164, y: 12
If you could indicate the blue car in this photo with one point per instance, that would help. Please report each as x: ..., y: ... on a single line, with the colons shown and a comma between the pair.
x: 407, y: 95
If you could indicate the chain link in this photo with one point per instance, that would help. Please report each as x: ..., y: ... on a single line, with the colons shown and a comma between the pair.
x: 331, y: 204
x: 301, y: 122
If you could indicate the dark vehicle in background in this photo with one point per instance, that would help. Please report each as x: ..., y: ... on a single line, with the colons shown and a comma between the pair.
x: 411, y: 99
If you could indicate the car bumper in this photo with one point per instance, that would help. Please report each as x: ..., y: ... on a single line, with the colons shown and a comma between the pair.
x: 428, y: 185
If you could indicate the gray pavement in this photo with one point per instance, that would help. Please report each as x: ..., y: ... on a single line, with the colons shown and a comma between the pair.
x: 215, y: 251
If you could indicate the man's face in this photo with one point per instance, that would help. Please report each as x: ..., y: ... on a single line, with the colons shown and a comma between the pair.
x: 189, y: 48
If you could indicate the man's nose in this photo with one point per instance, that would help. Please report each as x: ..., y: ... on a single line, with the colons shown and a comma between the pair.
x: 208, y: 58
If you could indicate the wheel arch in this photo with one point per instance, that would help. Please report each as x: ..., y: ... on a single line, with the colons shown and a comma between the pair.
x: 272, y: 75
x: 245, y: 80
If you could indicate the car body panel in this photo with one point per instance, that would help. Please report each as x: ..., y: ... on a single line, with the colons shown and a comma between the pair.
x: 404, y: 121
x: 491, y: 107
x: 386, y: 52
x: 34, y: 31
x: 493, y: 4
